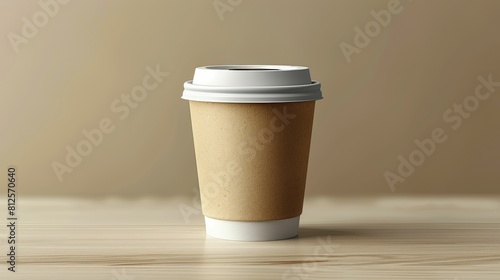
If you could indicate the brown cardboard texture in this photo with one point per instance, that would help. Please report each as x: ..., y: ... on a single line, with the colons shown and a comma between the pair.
x: 252, y: 158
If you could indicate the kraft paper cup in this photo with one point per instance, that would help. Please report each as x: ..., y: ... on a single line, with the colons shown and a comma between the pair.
x: 252, y: 130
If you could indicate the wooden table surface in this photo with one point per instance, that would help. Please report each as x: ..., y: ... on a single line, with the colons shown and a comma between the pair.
x: 342, y: 238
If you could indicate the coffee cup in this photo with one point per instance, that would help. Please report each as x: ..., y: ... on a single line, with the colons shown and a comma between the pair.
x: 252, y: 129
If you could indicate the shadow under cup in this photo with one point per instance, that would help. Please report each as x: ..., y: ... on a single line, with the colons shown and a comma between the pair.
x: 252, y: 133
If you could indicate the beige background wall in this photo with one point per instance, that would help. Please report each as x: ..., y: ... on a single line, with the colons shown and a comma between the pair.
x: 65, y: 78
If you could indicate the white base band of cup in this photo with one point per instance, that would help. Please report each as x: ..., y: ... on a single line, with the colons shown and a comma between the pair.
x: 252, y: 231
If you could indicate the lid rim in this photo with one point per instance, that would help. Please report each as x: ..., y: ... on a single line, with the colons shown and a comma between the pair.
x: 314, y: 85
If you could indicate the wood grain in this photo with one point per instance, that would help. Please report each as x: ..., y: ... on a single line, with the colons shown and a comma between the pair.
x: 354, y: 238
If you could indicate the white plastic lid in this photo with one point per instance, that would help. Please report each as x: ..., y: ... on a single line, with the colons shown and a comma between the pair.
x: 252, y: 84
